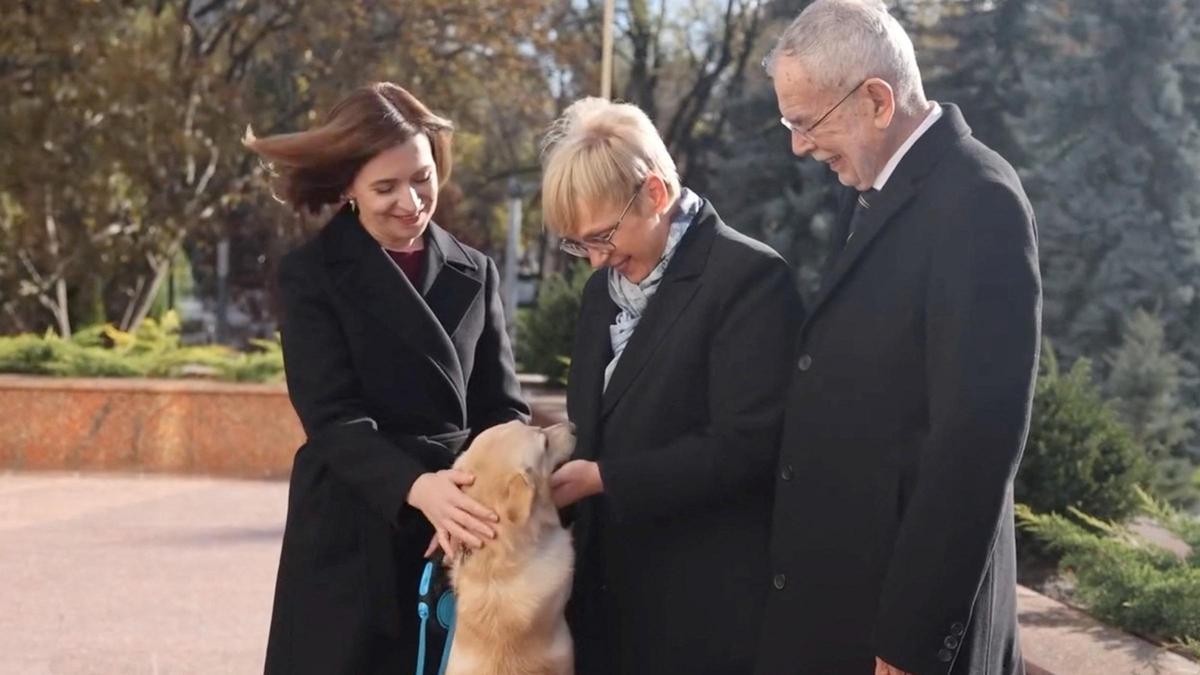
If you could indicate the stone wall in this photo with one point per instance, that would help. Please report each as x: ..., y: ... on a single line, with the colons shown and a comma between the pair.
x: 247, y: 430
x: 176, y: 426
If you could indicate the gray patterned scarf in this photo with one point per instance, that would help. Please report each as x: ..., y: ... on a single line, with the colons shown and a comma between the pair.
x: 632, y: 298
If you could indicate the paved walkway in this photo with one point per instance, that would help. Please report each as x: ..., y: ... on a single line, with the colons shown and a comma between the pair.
x: 125, y: 575
x: 1060, y: 640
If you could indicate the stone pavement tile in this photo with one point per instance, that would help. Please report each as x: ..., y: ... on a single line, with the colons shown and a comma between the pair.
x: 1059, y: 640
x: 122, y: 575
x: 33, y: 499
x: 115, y: 574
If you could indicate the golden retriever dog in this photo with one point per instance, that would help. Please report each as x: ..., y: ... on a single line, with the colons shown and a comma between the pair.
x: 512, y: 593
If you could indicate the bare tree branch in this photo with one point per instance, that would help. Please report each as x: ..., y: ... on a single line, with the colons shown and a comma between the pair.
x: 214, y: 155
x: 18, y: 322
x: 239, y: 57
x: 133, y: 303
x: 161, y: 267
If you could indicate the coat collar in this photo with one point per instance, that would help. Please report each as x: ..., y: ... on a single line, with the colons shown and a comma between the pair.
x: 918, y: 163
x: 443, y: 249
x: 592, y: 352
x: 675, y: 291
x: 427, y: 317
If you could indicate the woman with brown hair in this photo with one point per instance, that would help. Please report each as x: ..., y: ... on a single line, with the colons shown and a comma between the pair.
x: 396, y: 354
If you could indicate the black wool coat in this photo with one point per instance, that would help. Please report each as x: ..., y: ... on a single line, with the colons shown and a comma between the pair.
x: 893, y: 521
x: 672, y: 556
x: 389, y: 381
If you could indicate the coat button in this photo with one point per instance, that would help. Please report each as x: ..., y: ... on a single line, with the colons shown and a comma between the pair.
x: 945, y: 655
x: 787, y: 472
x: 957, y: 629
x: 951, y: 642
x: 804, y: 363
x: 779, y: 581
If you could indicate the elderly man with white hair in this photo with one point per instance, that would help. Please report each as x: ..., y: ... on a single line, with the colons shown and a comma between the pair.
x: 892, y: 535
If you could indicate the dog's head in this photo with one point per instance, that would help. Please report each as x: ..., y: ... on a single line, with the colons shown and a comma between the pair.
x: 512, y: 464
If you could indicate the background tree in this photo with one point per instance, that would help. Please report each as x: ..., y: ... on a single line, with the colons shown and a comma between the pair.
x: 123, y: 149
x: 1112, y: 163
x: 1079, y: 454
x: 1144, y: 386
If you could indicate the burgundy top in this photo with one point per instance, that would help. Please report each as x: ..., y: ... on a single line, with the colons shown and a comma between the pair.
x: 410, y: 262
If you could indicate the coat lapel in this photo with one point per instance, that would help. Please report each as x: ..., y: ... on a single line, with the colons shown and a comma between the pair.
x: 845, y: 212
x: 921, y: 158
x: 678, y: 286
x: 368, y: 279
x: 593, y: 351
x: 887, y: 203
x: 451, y: 281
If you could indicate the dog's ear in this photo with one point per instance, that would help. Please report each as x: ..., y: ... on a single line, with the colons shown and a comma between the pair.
x: 518, y: 497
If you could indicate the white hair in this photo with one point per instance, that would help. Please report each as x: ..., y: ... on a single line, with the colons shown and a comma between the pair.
x: 843, y: 42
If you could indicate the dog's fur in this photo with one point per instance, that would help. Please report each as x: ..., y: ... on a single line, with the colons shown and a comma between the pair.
x: 512, y: 593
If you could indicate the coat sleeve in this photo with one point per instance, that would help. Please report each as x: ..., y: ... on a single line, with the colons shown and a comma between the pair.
x: 328, y: 398
x: 749, y: 370
x: 982, y: 326
x: 493, y: 394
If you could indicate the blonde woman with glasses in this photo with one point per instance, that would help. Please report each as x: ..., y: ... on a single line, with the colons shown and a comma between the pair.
x: 678, y: 373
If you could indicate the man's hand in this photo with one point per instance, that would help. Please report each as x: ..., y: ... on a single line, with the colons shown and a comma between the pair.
x: 575, y: 480
x: 884, y: 668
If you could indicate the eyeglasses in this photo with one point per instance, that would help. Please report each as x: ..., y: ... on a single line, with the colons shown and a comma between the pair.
x: 807, y: 133
x: 598, y: 242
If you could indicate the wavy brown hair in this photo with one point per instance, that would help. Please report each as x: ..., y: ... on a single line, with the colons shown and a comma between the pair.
x: 314, y: 168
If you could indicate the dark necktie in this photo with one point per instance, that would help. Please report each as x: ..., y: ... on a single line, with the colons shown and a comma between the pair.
x: 861, y: 207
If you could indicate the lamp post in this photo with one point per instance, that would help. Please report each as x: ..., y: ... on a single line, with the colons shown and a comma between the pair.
x: 606, y: 52
x: 222, y: 327
x: 510, y: 258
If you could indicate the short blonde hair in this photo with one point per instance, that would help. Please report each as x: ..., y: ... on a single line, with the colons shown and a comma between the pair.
x: 594, y: 156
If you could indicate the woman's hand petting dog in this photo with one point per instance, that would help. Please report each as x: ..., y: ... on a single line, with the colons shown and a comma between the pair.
x: 451, y: 512
x: 450, y: 556
x: 575, y: 480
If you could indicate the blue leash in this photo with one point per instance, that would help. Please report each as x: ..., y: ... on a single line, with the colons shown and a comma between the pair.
x: 446, y: 618
x: 443, y: 612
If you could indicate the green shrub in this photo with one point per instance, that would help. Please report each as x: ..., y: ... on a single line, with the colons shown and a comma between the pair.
x: 1079, y: 455
x: 29, y: 354
x: 263, y: 365
x: 546, y: 333
x: 1123, y: 579
x: 1145, y: 384
x: 154, y: 350
x: 92, y: 336
x: 76, y: 361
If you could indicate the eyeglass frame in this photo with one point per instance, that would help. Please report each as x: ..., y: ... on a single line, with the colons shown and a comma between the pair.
x: 807, y: 133
x: 599, y: 242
